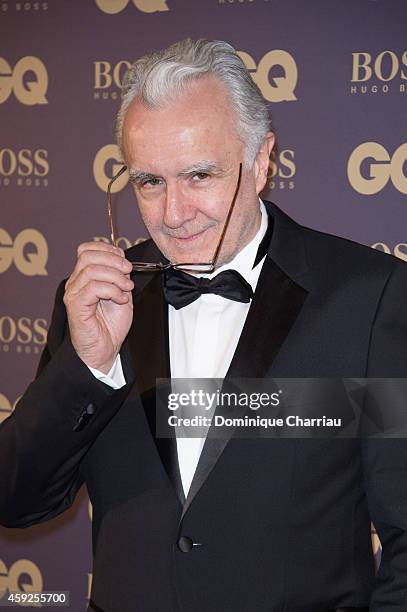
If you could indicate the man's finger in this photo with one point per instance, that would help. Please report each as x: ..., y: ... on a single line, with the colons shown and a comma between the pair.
x: 101, y: 258
x: 95, y: 291
x: 100, y: 273
x: 98, y: 245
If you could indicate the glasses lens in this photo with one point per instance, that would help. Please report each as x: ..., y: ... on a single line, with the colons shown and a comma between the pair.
x: 198, y: 267
x: 142, y: 266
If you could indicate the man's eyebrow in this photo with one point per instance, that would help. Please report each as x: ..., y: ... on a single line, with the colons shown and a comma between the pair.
x: 209, y: 167
x: 137, y: 176
x: 206, y: 166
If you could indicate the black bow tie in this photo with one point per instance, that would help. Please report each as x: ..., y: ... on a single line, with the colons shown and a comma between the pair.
x: 181, y: 289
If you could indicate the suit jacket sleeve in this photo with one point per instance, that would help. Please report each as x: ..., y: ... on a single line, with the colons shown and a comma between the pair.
x: 43, y: 442
x: 385, y: 460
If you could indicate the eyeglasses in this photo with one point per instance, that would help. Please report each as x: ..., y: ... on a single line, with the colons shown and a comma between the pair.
x: 143, y: 266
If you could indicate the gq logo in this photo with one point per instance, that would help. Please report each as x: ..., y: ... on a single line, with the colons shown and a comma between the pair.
x: 6, y: 408
x: 275, y: 88
x: 15, y: 579
x: 109, y: 155
x: 379, y: 168
x: 29, y: 251
x: 28, y: 90
x: 146, y: 6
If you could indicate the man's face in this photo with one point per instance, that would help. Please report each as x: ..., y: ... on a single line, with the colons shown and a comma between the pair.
x: 184, y: 164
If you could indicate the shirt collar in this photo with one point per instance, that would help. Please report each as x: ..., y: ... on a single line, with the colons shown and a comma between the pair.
x: 243, y: 261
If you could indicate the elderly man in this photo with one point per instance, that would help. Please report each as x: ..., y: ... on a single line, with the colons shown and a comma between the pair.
x: 199, y: 525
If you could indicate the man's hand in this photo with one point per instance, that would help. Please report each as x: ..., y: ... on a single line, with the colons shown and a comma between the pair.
x: 99, y: 303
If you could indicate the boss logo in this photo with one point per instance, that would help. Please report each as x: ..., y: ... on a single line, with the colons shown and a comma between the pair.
x: 25, y: 6
x: 282, y: 170
x: 373, y: 74
x: 28, y: 167
x: 370, y: 167
x: 28, y: 251
x: 24, y: 330
x: 28, y: 80
x: 386, y: 66
x: 279, y: 87
x: 106, y: 76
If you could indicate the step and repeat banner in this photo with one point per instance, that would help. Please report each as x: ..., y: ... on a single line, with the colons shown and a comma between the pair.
x: 335, y: 76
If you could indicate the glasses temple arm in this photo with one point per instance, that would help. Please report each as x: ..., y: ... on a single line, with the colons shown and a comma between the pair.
x: 109, y: 204
x: 218, y: 248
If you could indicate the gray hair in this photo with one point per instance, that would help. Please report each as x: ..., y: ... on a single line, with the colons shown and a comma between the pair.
x: 160, y: 75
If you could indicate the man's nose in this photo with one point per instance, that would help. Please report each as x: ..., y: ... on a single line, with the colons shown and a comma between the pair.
x: 178, y: 207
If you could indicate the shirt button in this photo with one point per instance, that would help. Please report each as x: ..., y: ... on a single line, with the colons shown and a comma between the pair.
x: 91, y: 408
x: 185, y: 544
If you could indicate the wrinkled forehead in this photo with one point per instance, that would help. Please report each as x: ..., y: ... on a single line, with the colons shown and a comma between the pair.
x: 198, y: 120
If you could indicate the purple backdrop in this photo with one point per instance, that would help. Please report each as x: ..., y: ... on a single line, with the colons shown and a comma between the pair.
x: 335, y: 74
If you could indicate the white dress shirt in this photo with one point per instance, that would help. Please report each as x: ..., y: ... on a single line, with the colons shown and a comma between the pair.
x: 203, y: 337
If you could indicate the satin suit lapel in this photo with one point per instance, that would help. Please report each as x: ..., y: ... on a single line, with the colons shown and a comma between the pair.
x: 146, y: 354
x: 277, y: 302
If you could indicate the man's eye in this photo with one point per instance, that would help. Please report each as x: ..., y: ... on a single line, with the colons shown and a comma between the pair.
x: 152, y: 182
x: 200, y: 176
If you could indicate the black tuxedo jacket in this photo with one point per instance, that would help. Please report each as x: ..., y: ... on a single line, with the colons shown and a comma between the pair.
x: 268, y: 525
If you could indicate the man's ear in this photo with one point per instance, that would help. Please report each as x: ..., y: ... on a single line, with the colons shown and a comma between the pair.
x: 261, y: 162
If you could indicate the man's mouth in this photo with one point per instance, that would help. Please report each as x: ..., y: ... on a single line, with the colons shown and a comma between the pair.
x: 191, y: 238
